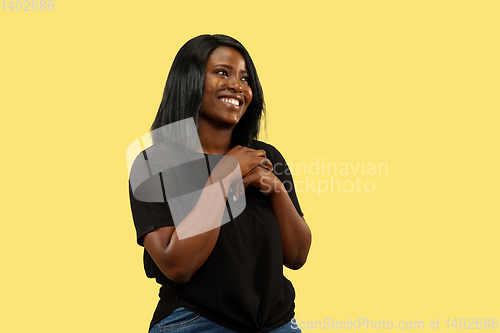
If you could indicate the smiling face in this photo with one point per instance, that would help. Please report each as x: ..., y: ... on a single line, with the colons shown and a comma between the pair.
x: 227, y: 91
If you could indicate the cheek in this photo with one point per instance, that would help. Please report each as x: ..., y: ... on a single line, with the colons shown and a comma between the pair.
x: 211, y: 86
x: 249, y: 96
x: 209, y: 94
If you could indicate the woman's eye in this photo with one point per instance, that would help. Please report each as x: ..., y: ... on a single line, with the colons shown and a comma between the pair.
x: 221, y: 71
x: 246, y: 79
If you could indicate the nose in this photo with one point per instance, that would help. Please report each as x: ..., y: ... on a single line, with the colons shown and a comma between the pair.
x: 234, y: 84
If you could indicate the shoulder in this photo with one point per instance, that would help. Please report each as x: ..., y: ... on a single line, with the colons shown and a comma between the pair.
x: 144, y: 160
x: 263, y: 145
x: 167, y: 154
x: 272, y: 152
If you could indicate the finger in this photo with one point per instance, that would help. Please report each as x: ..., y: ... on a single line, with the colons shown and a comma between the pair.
x: 261, y: 153
x: 248, y: 178
x: 236, y: 190
x: 253, y: 177
x: 267, y: 164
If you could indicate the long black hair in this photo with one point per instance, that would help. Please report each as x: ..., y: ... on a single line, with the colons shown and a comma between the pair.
x: 183, y: 92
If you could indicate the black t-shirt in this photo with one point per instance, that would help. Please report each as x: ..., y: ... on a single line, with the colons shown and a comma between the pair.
x: 241, y: 285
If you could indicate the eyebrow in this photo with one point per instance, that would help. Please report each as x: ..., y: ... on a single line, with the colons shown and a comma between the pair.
x: 231, y: 68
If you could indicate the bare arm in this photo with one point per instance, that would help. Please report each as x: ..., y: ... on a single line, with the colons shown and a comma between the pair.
x: 180, y: 252
x: 296, y: 236
x: 179, y: 257
x: 295, y: 233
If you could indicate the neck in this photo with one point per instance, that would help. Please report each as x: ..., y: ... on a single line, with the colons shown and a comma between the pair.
x: 216, y: 141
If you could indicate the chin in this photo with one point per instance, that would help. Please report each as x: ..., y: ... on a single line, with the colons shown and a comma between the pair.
x: 231, y: 121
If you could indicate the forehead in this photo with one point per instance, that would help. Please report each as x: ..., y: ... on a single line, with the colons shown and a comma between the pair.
x: 228, y: 56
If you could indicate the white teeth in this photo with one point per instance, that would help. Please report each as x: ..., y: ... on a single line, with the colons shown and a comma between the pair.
x: 231, y: 101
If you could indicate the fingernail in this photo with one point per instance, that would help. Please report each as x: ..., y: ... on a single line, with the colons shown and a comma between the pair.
x: 234, y: 197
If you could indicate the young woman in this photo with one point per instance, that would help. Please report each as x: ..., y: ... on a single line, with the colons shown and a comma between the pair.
x: 222, y: 278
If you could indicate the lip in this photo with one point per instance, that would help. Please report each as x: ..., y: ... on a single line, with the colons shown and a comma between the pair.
x: 229, y: 105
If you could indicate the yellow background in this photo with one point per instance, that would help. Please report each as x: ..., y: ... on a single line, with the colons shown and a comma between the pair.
x: 414, y: 84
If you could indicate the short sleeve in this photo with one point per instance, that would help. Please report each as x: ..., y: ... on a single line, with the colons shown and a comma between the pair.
x: 149, y: 216
x: 281, y: 170
x: 160, y: 179
x: 150, y: 210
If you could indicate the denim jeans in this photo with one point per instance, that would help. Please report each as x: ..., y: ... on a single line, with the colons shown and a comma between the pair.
x: 185, y: 321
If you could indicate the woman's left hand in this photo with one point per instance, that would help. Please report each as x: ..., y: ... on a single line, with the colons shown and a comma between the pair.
x: 263, y: 179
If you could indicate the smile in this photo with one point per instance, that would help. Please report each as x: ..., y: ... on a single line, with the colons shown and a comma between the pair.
x: 233, y: 103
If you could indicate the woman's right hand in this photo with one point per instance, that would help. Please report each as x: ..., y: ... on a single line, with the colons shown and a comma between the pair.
x: 249, y: 159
